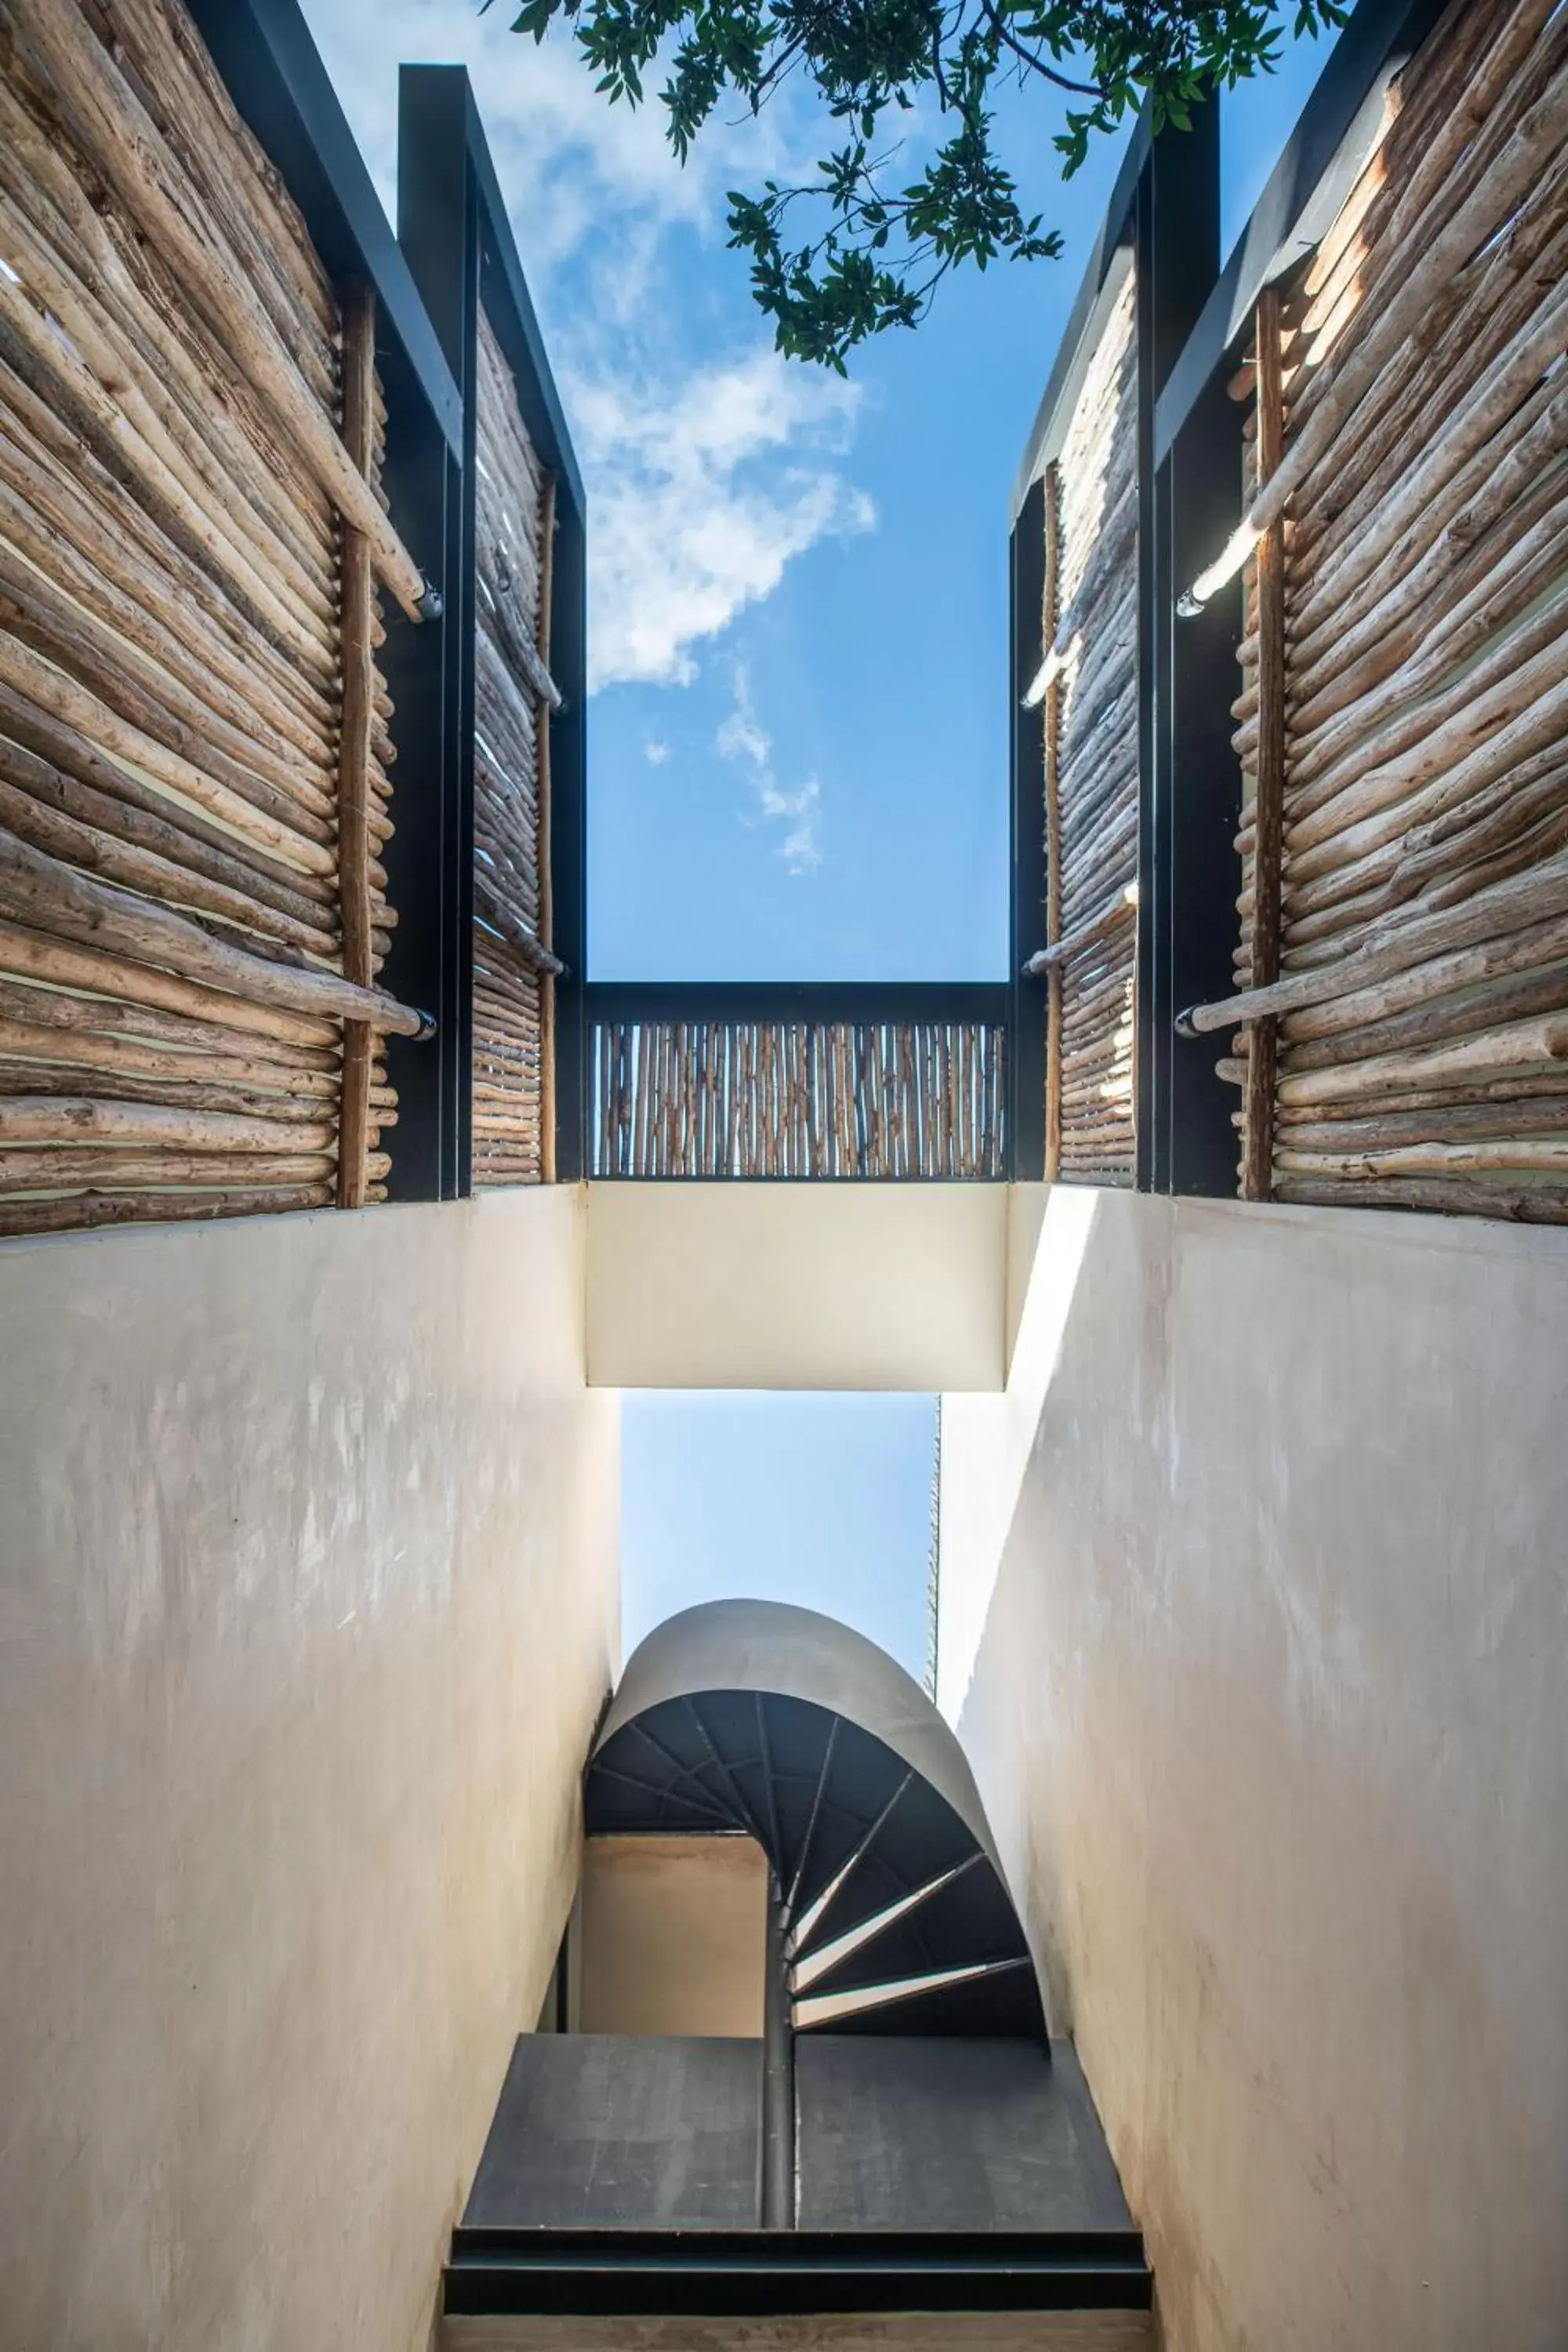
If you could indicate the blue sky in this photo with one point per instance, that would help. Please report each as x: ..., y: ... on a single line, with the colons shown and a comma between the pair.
x: 798, y: 741
x: 823, y: 1500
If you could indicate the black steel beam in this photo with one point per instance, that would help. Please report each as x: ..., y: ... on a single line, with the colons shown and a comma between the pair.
x: 424, y: 966
x: 1177, y: 253
x: 985, y: 1002
x: 1320, y: 165
x: 439, y: 116
x: 569, y: 836
x: 264, y: 50
x: 1198, y: 794
x: 1098, y: 288
x: 438, y: 226
x: 1025, y: 1071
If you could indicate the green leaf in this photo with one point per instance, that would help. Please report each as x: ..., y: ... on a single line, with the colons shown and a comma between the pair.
x: 867, y: 253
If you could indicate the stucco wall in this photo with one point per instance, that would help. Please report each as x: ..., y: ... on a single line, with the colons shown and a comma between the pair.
x: 1255, y: 1622
x: 308, y: 1568
x: 797, y: 1285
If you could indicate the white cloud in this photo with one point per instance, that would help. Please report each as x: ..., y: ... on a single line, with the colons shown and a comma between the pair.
x: 708, y: 474
x: 563, y: 153
x: 707, y: 487
x: 655, y: 753
x: 741, y: 738
x: 744, y: 741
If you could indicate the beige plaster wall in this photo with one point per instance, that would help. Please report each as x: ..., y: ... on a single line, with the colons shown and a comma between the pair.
x: 673, y: 1934
x: 797, y: 1285
x: 307, y: 1574
x: 1255, y: 1617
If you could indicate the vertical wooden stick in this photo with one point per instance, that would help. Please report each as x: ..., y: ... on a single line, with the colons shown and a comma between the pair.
x: 1258, y: 1145
x: 1049, y: 619
x: 357, y: 657
x: 542, y: 770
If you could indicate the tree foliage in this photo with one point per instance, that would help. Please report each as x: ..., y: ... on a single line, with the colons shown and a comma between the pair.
x: 861, y: 248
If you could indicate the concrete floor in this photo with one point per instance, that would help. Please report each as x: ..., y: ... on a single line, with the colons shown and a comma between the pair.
x: 307, y: 1598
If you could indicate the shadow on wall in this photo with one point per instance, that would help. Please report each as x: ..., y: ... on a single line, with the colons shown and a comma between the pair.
x: 1253, y: 1628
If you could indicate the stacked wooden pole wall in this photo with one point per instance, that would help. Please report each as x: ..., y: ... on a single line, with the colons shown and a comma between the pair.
x: 514, y: 969
x: 1091, y: 758
x: 175, y: 895
x: 1419, y: 1013
x: 795, y: 1099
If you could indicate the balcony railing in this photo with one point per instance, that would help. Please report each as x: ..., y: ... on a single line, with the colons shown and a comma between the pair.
x: 836, y: 1080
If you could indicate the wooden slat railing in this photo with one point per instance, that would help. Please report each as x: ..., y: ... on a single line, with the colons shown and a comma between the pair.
x: 797, y: 1082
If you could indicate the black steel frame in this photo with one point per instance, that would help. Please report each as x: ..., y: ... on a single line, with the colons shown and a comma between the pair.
x: 1027, y: 930
x: 455, y: 250
x: 1194, y: 320
x: 1176, y: 248
x: 984, y: 1001
x: 453, y: 226
x: 1317, y: 169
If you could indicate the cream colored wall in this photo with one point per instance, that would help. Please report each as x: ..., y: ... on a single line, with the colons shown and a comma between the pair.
x: 673, y: 1934
x: 308, y: 1555
x: 1255, y: 1622
x: 784, y: 1286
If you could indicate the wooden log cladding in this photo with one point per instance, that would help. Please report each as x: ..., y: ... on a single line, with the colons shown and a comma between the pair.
x: 1422, y: 970
x: 193, y: 726
x: 101, y: 111
x: 358, y: 658
x: 797, y: 1099
x: 1091, y: 779
x: 1268, y: 791
x: 514, y: 501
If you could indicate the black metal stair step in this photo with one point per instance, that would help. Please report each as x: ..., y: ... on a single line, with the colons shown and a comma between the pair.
x: 739, y: 2273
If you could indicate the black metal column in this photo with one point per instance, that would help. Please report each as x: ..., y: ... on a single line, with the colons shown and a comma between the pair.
x: 1177, y: 251
x: 1027, y: 1040
x: 437, y: 231
x: 424, y: 966
x: 1198, y: 790
x: 568, y: 826
x: 454, y: 223
x: 777, y: 2198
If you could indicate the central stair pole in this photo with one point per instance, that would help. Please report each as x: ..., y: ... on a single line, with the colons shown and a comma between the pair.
x: 778, y: 2073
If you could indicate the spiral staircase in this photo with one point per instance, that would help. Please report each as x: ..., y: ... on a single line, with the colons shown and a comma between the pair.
x: 904, y: 2158
x: 895, y: 1915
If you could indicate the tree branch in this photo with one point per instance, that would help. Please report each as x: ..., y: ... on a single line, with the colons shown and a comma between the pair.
x: 1004, y: 31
